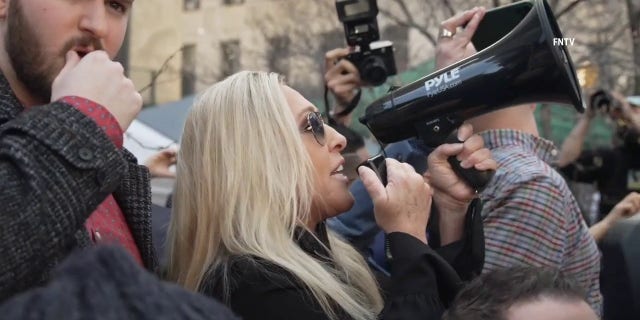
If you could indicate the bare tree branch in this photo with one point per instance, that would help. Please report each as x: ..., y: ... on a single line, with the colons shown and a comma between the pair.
x: 447, y: 4
x: 162, y: 68
x: 568, y: 8
x: 553, y: 4
x: 408, y: 21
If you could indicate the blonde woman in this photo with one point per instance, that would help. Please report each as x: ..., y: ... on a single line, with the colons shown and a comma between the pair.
x: 259, y: 172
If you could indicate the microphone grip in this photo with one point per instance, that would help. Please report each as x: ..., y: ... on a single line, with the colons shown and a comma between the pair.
x: 476, y: 179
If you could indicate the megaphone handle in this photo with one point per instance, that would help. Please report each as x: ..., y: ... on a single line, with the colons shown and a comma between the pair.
x: 378, y: 165
x: 475, y: 178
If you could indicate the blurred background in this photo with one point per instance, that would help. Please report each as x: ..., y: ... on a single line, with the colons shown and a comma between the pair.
x: 174, y: 49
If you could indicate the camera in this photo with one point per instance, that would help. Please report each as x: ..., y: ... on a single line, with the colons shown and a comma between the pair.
x: 602, y: 100
x: 373, y: 58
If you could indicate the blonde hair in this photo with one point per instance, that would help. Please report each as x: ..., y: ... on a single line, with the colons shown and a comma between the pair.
x: 245, y: 182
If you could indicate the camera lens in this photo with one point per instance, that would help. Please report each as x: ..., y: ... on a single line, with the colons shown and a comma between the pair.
x: 600, y: 100
x: 374, y: 71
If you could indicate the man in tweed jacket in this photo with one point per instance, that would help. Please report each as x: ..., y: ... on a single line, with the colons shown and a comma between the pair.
x: 65, y: 181
x: 530, y: 216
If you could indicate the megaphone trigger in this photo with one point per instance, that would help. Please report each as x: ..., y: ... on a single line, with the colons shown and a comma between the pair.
x: 378, y: 165
x: 476, y: 179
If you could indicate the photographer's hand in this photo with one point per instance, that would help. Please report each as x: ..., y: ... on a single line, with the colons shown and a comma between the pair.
x: 572, y: 144
x: 343, y: 80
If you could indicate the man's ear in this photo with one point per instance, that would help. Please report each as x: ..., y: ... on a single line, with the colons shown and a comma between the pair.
x: 4, y: 8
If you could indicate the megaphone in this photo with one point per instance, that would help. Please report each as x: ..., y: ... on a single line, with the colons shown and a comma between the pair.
x: 518, y: 61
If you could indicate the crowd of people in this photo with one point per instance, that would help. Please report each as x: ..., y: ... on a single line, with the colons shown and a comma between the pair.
x: 268, y: 220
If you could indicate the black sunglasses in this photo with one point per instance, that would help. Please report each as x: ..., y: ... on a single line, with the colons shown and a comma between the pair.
x: 316, y: 126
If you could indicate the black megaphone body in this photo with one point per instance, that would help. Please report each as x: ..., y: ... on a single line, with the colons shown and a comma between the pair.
x: 517, y: 62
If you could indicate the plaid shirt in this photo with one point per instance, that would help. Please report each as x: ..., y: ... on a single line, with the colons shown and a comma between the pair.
x: 530, y: 215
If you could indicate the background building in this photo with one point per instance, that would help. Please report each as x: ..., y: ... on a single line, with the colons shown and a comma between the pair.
x: 176, y: 48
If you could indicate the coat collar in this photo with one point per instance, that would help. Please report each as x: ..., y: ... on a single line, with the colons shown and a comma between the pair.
x: 315, y: 243
x: 10, y: 107
x: 133, y: 195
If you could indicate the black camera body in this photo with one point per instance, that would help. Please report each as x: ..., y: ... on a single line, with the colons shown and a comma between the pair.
x: 373, y: 58
x: 375, y: 65
x: 602, y: 100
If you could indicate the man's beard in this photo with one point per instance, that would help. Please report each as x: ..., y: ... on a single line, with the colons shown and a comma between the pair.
x: 27, y: 56
x: 33, y: 68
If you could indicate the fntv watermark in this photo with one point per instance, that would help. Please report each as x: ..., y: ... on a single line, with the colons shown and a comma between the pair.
x: 563, y: 41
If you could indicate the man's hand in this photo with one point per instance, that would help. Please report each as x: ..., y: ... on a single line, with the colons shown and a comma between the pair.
x: 404, y: 205
x: 160, y: 163
x: 343, y: 80
x: 629, y: 206
x: 450, y: 50
x: 451, y: 194
x: 97, y: 78
x: 449, y: 189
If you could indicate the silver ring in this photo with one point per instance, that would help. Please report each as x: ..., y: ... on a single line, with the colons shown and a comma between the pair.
x: 445, y: 33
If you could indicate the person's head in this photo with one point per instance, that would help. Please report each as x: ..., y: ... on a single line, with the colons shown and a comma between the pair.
x: 255, y: 163
x: 520, y: 117
x: 38, y: 33
x: 521, y: 293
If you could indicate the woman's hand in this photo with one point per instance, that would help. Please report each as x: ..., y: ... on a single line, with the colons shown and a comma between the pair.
x: 404, y: 205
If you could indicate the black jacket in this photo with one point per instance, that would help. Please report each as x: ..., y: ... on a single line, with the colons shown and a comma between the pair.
x: 616, y: 172
x: 420, y: 280
x: 56, y: 167
x: 104, y: 283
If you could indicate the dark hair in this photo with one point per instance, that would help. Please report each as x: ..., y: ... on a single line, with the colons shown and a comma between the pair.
x: 354, y: 139
x: 490, y: 295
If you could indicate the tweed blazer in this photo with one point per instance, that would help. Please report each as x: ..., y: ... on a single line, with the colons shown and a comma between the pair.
x: 56, y: 167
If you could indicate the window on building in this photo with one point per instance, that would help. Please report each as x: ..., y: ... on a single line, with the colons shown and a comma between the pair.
x: 190, y: 5
x: 278, y: 54
x: 230, y: 57
x: 189, y: 70
x: 232, y: 2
